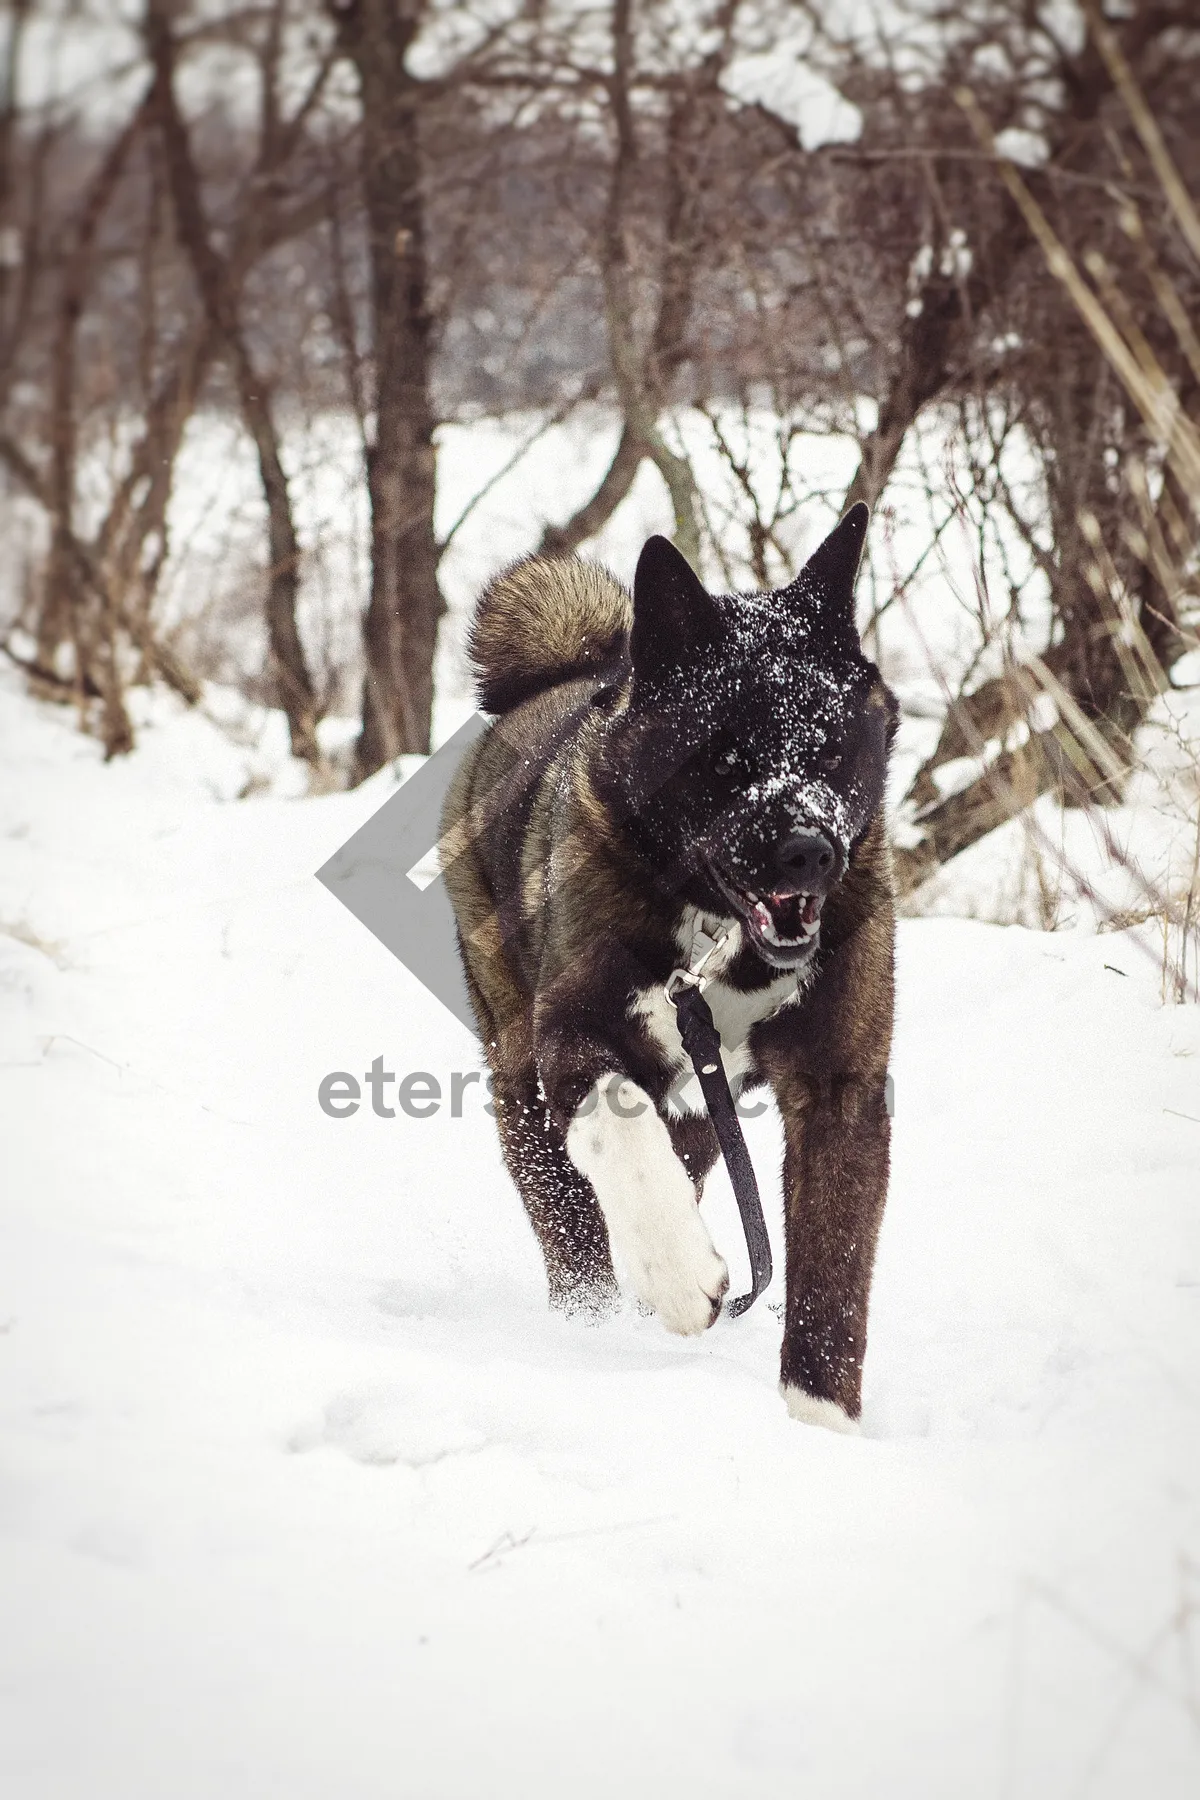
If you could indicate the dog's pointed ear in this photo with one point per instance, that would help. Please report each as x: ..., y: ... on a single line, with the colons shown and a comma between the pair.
x: 673, y: 611
x: 828, y: 576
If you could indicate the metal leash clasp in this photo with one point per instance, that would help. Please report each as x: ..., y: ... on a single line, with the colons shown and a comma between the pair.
x: 704, y: 948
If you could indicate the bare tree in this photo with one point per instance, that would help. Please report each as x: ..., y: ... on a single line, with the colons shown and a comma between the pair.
x: 933, y: 293
x: 562, y: 205
x: 294, y: 684
x: 650, y: 343
x: 405, y: 604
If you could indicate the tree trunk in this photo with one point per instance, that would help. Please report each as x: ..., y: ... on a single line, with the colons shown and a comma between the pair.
x: 293, y: 683
x: 618, y: 478
x: 401, y: 622
x: 643, y: 375
x: 928, y: 343
x: 69, y: 612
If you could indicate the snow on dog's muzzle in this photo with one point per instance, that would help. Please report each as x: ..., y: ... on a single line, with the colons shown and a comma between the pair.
x: 810, y: 861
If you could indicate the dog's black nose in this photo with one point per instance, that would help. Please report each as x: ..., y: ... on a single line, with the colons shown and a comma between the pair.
x: 810, y: 861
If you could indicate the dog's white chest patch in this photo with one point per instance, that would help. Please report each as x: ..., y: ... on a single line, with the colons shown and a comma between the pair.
x: 734, y: 1013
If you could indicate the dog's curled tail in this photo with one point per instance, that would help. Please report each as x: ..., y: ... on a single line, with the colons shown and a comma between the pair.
x: 546, y: 620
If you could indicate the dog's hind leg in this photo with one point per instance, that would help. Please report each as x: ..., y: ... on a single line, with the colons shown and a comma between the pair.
x: 560, y: 1202
x: 561, y: 1205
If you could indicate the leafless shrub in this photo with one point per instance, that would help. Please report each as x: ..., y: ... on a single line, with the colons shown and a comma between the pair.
x: 1143, y: 588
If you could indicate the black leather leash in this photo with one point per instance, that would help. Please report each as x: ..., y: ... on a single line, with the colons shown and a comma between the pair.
x: 702, y: 1041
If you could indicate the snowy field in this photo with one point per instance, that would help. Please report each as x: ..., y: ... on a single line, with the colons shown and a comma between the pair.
x: 303, y: 1492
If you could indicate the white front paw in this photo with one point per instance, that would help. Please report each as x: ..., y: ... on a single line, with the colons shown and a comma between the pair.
x: 676, y: 1271
x: 658, y: 1238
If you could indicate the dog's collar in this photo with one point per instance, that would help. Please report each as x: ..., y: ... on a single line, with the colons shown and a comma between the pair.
x: 698, y: 973
x: 715, y: 942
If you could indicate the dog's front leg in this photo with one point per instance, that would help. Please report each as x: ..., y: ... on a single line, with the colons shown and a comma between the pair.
x: 835, y: 1176
x: 659, y: 1241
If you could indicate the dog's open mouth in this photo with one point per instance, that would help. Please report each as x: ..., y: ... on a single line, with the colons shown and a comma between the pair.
x: 783, y: 925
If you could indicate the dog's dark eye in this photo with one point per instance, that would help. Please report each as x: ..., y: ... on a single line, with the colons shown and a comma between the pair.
x: 830, y: 759
x: 728, y: 761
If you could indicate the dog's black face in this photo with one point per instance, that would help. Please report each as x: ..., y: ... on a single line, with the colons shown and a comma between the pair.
x: 752, y: 754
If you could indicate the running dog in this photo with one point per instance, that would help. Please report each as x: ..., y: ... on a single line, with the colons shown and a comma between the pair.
x: 667, y: 771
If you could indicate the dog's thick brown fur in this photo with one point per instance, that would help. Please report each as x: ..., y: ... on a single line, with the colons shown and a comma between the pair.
x: 666, y: 764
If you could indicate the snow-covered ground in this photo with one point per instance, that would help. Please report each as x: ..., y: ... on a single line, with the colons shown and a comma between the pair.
x: 304, y: 1493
